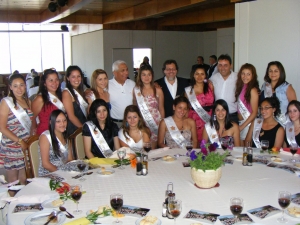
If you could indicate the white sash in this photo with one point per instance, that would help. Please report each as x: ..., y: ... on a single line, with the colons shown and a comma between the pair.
x: 243, y: 109
x: 282, y: 119
x: 212, y: 134
x: 99, y: 140
x: 196, y: 105
x: 290, y: 134
x: 19, y: 113
x: 256, y: 131
x: 145, y: 111
x: 55, y: 101
x: 268, y: 90
x: 82, y: 103
x: 174, y: 131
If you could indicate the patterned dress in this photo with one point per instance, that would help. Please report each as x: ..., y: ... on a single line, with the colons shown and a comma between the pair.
x: 170, y: 141
x: 204, y: 100
x: 11, y: 153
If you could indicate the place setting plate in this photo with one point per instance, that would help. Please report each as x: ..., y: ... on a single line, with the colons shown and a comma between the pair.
x: 48, y: 203
x: 138, y: 221
x: 278, y: 159
x: 61, y: 217
x: 168, y: 158
x: 106, y: 172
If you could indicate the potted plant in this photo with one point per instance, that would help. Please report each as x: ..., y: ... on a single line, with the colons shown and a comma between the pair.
x: 206, y: 165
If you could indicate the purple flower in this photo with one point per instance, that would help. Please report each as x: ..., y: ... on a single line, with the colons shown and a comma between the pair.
x: 204, y: 151
x: 202, y: 144
x: 213, y: 147
x: 193, y: 155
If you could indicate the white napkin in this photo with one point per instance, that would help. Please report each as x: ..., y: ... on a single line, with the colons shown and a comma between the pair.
x: 44, y: 181
x: 11, y: 184
x: 2, y: 179
x: 39, y: 198
x: 3, y: 194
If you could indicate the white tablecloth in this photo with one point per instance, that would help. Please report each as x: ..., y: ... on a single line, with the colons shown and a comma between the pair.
x: 257, y: 185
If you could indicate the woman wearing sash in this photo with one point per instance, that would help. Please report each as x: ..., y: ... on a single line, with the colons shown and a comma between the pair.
x: 73, y: 99
x: 134, y: 131
x: 201, y: 97
x: 47, y: 100
x: 292, y: 129
x: 267, y: 127
x: 276, y: 86
x: 54, y: 150
x: 175, y: 130
x: 246, y: 94
x: 220, y: 127
x: 100, y: 133
x: 150, y: 101
x: 15, y: 123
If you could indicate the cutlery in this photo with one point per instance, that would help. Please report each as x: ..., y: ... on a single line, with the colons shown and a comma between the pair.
x: 81, y: 175
x: 63, y: 209
x: 39, y: 217
x: 156, y: 158
x: 51, y: 218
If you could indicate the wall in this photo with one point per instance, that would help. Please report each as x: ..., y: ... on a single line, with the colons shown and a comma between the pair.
x: 269, y: 30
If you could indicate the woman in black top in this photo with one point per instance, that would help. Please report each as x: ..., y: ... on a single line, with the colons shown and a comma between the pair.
x: 99, y: 120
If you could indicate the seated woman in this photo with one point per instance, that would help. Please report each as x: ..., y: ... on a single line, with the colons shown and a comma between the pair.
x: 177, y: 129
x: 134, y: 131
x: 292, y: 129
x: 100, y: 133
x: 267, y: 127
x: 220, y: 127
x: 53, y: 145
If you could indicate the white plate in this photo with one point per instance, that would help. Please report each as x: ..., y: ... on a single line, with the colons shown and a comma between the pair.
x: 16, y: 187
x: 60, y: 218
x: 137, y: 222
x: 172, y: 159
x: 107, y: 172
x: 48, y: 203
x: 278, y: 158
x: 292, y: 215
x: 297, y: 165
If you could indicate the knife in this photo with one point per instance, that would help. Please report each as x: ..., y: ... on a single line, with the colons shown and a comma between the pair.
x: 51, y: 218
x: 39, y: 217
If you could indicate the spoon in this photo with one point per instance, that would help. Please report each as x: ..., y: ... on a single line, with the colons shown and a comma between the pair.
x: 61, y: 208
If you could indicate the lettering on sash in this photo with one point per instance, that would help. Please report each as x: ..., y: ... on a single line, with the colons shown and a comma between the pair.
x: 256, y: 131
x: 83, y: 104
x: 99, y: 140
x: 19, y: 113
x: 290, y: 134
x: 174, y: 131
x: 196, y: 105
x: 212, y: 134
x: 55, y: 101
x: 268, y: 90
x: 145, y: 111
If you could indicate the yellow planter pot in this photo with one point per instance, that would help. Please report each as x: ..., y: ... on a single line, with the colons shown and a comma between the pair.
x: 206, y: 179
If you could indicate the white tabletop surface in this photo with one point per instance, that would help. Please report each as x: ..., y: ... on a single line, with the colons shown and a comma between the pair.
x: 258, y: 185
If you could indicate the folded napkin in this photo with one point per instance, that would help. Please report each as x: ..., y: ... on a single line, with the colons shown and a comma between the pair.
x: 102, y: 161
x: 80, y: 221
x: 3, y: 194
x: 2, y: 180
x: 40, y: 180
x: 33, y: 198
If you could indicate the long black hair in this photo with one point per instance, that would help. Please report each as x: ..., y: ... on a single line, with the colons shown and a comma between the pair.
x: 193, y: 81
x: 274, y: 102
x: 213, y: 119
x: 51, y: 128
x: 11, y: 93
x: 282, y: 75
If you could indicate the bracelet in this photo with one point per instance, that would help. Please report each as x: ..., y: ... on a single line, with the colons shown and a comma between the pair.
x: 20, y: 140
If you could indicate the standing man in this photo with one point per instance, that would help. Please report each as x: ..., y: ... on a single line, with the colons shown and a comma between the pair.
x: 171, y: 85
x: 224, y: 85
x: 120, y: 91
x: 213, y: 69
x: 200, y: 61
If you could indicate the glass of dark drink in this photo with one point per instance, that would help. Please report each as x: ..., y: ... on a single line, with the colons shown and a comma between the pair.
x: 236, y: 207
x: 81, y: 165
x: 174, y: 208
x: 284, y: 200
x: 264, y: 145
x: 189, y: 147
x: 293, y: 150
x: 147, y: 146
x: 224, y: 143
x: 116, y: 202
x: 76, y: 195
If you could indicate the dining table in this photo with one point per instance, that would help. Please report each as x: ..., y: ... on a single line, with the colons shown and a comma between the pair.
x: 258, y: 185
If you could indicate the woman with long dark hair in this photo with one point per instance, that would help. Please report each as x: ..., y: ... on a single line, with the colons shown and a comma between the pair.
x: 247, y: 96
x: 134, y: 131
x: 150, y: 101
x: 54, y: 148
x: 74, y: 100
x: 15, y: 123
x: 100, y: 133
x: 201, y: 98
x: 48, y: 99
x: 220, y: 127
x: 292, y: 129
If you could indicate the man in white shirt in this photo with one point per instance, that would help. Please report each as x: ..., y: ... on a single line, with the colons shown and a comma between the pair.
x: 120, y: 90
x: 224, y: 85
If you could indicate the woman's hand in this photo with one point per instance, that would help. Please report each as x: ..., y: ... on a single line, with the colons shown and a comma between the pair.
x: 24, y: 145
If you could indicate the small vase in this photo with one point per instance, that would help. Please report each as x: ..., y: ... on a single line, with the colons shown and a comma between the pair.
x: 206, y: 179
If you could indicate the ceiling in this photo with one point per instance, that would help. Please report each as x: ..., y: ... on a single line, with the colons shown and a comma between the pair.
x: 182, y: 15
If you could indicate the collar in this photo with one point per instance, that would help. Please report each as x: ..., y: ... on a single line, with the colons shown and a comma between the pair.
x: 168, y: 83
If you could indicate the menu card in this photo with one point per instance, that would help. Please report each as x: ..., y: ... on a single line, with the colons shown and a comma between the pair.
x: 229, y: 219
x: 264, y: 211
x: 296, y: 198
x: 261, y: 160
x: 134, y: 211
x: 205, y: 217
x: 283, y: 167
x: 29, y: 207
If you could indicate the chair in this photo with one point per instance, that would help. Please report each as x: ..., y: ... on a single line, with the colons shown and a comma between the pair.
x: 77, y: 144
x: 33, y: 155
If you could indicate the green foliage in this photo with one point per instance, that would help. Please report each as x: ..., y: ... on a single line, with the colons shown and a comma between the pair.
x: 125, y: 162
x: 212, y: 161
x: 54, y: 184
x: 94, y: 215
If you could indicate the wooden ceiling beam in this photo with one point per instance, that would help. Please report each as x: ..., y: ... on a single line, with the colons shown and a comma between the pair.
x: 80, y: 19
x: 17, y: 17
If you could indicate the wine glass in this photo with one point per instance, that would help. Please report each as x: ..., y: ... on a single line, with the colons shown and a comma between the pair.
x: 293, y: 150
x: 174, y: 208
x: 116, y: 202
x: 224, y: 143
x: 264, y: 145
x: 147, y: 146
x: 284, y: 200
x: 189, y: 147
x: 236, y: 207
x: 121, y: 154
x: 81, y: 165
x: 76, y: 195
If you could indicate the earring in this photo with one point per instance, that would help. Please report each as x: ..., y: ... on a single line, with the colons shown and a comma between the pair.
x: 214, y: 117
x: 127, y: 125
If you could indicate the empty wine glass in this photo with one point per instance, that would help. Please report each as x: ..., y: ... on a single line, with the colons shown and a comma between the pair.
x: 81, y: 165
x: 236, y: 207
x: 116, y: 202
x: 174, y: 208
x: 293, y: 150
x: 76, y: 195
x: 284, y: 200
x: 264, y: 145
x: 147, y: 146
x: 121, y: 154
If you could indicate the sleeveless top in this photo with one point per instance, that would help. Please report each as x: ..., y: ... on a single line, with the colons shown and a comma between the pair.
x: 71, y: 128
x: 44, y: 116
x: 242, y: 97
x: 269, y: 135
x: 129, y: 141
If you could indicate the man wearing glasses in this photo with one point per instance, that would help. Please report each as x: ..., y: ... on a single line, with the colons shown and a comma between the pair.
x: 171, y: 85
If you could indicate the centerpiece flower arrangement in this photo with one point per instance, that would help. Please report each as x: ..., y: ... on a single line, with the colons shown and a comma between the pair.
x: 62, y: 188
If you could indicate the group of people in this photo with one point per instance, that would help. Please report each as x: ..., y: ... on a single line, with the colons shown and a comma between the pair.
x: 167, y: 112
